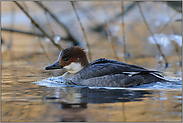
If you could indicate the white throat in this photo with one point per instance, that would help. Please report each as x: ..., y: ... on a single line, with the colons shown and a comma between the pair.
x: 73, y: 67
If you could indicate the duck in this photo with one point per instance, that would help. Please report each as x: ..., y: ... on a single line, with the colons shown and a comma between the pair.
x: 101, y: 72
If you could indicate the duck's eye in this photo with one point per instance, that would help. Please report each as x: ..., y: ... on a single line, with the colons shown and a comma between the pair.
x: 66, y: 59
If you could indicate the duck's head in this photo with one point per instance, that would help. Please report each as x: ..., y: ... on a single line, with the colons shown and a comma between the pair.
x: 73, y: 59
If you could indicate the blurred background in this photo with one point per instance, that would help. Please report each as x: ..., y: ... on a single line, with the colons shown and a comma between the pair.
x: 140, y: 33
x: 97, y: 18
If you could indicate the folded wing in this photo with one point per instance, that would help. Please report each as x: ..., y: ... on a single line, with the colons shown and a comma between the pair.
x: 103, y: 67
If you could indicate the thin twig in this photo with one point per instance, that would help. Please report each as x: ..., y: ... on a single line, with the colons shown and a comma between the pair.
x: 12, y: 21
x: 32, y: 20
x: 37, y: 37
x: 29, y: 33
x: 42, y: 46
x: 49, y: 25
x: 100, y: 27
x: 25, y: 5
x: 9, y: 44
x: 109, y: 34
x: 123, y: 106
x: 70, y: 37
x: 110, y: 40
x: 123, y: 29
x: 167, y: 24
x: 106, y: 14
x: 177, y: 52
x: 175, y: 44
x: 89, y: 53
x: 159, y: 49
x: 21, y: 32
x: 88, y: 14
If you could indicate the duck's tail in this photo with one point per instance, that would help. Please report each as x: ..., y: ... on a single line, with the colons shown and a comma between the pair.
x: 160, y: 78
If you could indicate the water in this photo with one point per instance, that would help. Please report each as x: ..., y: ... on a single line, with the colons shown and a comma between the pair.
x: 31, y: 94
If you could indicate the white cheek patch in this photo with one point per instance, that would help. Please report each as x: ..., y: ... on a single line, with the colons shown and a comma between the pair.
x: 73, y: 67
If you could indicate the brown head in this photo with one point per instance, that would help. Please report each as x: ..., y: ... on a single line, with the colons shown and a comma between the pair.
x: 73, y: 59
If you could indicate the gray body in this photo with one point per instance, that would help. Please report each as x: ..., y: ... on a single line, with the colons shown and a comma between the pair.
x: 111, y: 73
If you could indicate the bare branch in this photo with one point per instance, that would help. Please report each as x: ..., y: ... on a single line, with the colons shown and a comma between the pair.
x: 22, y: 32
x: 82, y: 30
x: 110, y: 40
x: 159, y: 49
x: 123, y: 29
x: 32, y: 20
x: 29, y: 33
x: 70, y: 37
x: 37, y: 37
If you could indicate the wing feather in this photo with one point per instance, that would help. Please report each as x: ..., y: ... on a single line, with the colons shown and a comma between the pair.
x: 102, y: 67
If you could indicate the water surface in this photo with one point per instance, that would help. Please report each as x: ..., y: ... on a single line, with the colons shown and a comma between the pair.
x: 28, y: 96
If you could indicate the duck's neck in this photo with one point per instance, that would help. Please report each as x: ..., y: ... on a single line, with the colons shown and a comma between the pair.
x: 74, y: 67
x: 67, y: 75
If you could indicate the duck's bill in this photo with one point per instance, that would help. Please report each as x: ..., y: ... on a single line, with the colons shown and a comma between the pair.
x: 54, y: 66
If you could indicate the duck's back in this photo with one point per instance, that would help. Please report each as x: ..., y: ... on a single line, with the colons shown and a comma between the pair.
x: 111, y: 73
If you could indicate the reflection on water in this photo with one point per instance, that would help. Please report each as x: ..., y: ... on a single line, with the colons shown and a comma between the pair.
x: 23, y: 100
x: 87, y: 95
x: 85, y: 104
x: 28, y: 96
